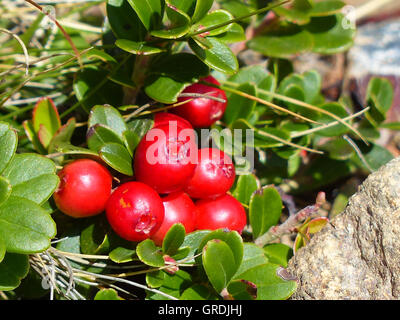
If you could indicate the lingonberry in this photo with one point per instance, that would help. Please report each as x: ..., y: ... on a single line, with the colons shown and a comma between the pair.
x: 165, y: 157
x: 161, y: 118
x: 85, y: 186
x: 135, y: 211
x: 213, y: 176
x: 223, y: 212
x: 179, y: 208
x: 202, y: 112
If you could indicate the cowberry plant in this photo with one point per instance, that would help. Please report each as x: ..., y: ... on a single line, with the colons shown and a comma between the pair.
x: 90, y: 79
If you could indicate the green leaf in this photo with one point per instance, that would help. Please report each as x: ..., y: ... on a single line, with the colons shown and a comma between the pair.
x: 285, y: 42
x: 198, y: 292
x: 264, y: 210
x: 338, y: 149
x: 124, y: 21
x: 32, y: 177
x: 316, y: 225
x: 193, y: 241
x: 3, y: 249
x: 139, y: 48
x: 219, y: 57
x: 122, y: 255
x: 240, y: 107
x: 213, y: 19
x: 8, y: 144
x: 107, y: 116
x: 173, y: 239
x: 379, y: 97
x: 94, y: 237
x: 107, y: 294
x: 87, y: 88
x: 46, y: 117
x: 178, y: 27
x: 13, y: 268
x: 245, y: 186
x: 278, y: 253
x: 173, y: 285
x: 136, y: 131
x: 330, y: 35
x: 201, y: 9
x: 155, y: 279
x: 5, y: 189
x: 253, y: 256
x: 390, y: 125
x: 98, y: 135
x: 163, y: 89
x: 268, y: 285
x: 117, y: 157
x: 150, y: 12
x: 326, y: 8
x: 149, y: 253
x: 24, y: 226
x: 219, y: 263
x: 375, y: 155
x: 183, y: 67
x: 234, y: 34
x: 336, y: 130
x: 67, y: 148
x: 63, y: 135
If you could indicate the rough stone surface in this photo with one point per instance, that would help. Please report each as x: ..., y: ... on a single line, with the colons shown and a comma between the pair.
x: 357, y: 256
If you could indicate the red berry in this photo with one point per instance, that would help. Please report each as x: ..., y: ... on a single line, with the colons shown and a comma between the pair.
x: 214, y: 174
x: 223, y: 212
x: 166, y: 117
x: 135, y: 211
x: 84, y: 189
x: 179, y: 208
x: 164, y: 158
x: 202, y: 112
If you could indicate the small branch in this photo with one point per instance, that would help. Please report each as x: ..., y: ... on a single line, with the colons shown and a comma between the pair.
x: 290, y: 225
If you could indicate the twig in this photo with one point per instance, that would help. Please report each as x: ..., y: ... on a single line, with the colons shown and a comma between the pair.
x: 23, y: 49
x: 291, y: 223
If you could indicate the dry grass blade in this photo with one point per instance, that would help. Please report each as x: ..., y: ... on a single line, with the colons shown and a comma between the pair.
x: 23, y: 48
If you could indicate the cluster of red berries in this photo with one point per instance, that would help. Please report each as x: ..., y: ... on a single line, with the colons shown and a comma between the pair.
x: 175, y: 181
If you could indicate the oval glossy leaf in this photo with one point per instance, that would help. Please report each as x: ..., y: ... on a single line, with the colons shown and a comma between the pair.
x: 136, y: 131
x: 5, y: 189
x: 173, y: 239
x: 155, y: 279
x: 8, y: 144
x: 24, y: 226
x: 278, y: 253
x: 245, y: 186
x: 282, y: 43
x: 150, y: 12
x: 231, y: 238
x: 122, y: 255
x: 94, y: 237
x: 240, y: 107
x: 139, y: 48
x: 63, y: 135
x: 219, y: 57
x: 107, y: 294
x: 13, y: 269
x: 117, y: 157
x: 338, y: 149
x: 234, y: 34
x: 164, y: 89
x: 336, y: 130
x: 253, y: 256
x: 149, y: 253
x: 264, y: 210
x: 107, y: 116
x: 2, y: 250
x: 219, y: 263
x: 198, y: 292
x: 326, y: 8
x: 99, y: 135
x: 178, y: 26
x: 379, y: 97
x: 213, y: 19
x: 201, y: 9
x: 32, y: 177
x: 124, y: 21
x: 46, y: 117
x: 268, y: 285
x: 193, y: 241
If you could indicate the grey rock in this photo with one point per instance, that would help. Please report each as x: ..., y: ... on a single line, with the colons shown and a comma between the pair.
x: 357, y: 255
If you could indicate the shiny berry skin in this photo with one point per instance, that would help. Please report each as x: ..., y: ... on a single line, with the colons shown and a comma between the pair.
x: 214, y: 174
x: 223, y: 212
x: 165, y: 158
x: 161, y: 118
x: 202, y: 112
x: 135, y: 211
x: 85, y: 186
x: 179, y: 208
